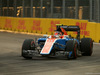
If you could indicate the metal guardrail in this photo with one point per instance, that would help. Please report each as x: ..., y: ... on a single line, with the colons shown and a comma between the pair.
x: 76, y: 9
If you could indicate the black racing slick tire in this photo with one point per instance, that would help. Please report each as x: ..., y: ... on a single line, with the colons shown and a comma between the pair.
x: 86, y: 46
x: 28, y: 44
x: 72, y: 46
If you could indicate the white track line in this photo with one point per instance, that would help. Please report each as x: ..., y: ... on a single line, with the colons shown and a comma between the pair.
x: 21, y: 32
x: 96, y: 43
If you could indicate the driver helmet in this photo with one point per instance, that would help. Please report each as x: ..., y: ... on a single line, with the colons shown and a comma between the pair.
x: 57, y: 33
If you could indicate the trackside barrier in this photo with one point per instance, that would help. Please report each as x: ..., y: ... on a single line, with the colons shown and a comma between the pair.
x: 48, y: 25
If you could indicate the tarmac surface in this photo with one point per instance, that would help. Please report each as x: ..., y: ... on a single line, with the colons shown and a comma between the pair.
x: 11, y: 62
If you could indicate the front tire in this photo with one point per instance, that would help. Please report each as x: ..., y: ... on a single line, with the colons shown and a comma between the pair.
x: 72, y: 46
x: 28, y: 44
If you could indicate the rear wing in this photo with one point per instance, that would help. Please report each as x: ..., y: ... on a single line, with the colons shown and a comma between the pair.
x: 68, y: 28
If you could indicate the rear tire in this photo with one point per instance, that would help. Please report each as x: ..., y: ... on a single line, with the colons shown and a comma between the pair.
x: 86, y: 46
x: 72, y: 46
x: 28, y: 44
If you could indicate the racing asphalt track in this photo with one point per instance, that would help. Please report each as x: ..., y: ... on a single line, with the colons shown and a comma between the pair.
x: 11, y: 62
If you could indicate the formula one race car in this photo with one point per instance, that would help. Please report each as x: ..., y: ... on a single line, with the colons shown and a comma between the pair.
x: 59, y: 44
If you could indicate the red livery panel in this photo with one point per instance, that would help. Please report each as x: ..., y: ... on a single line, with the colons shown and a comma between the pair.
x: 48, y: 45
